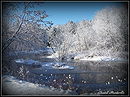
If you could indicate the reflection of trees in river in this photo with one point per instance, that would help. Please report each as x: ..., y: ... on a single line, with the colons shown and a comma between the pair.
x: 74, y: 81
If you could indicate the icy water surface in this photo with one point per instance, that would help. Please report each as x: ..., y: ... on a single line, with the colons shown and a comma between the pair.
x: 83, y: 78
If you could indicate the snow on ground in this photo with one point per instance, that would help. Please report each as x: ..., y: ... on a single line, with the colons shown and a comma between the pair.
x: 62, y: 66
x: 85, y: 57
x: 54, y: 55
x: 13, y: 86
x: 54, y: 65
x: 30, y: 61
x: 102, y: 58
x: 57, y: 65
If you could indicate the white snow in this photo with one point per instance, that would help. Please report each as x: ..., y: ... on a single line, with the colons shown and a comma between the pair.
x: 30, y: 61
x: 96, y: 58
x: 63, y: 67
x: 83, y: 56
x: 79, y: 56
x: 19, y: 61
x: 27, y: 62
x: 54, y: 65
x: 54, y: 55
x: 58, y: 65
x: 99, y: 58
x: 14, y: 86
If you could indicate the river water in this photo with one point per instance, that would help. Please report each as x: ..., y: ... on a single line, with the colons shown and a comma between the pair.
x: 86, y: 78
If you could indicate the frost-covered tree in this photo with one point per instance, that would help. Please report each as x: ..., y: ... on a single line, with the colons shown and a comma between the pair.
x: 22, y: 22
x: 111, y: 26
x: 105, y: 35
x: 59, y: 43
x: 23, y: 29
x: 86, y: 35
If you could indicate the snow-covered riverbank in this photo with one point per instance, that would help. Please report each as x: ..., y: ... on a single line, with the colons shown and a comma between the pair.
x: 13, y: 86
x: 102, y: 58
x: 51, y: 65
x: 84, y: 57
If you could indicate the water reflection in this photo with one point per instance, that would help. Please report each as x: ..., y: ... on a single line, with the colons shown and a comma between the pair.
x: 87, y: 77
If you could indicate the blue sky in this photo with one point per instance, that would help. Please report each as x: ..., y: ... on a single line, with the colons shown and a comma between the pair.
x: 62, y: 12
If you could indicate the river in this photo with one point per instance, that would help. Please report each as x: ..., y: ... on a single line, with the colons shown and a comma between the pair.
x: 86, y: 77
